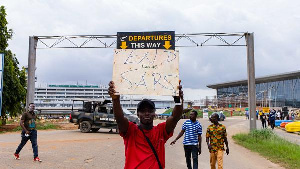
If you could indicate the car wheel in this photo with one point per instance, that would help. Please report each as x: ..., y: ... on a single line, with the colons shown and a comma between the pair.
x: 85, y: 126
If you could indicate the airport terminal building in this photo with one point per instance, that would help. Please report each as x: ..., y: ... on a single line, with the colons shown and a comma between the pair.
x: 49, y: 97
x: 275, y: 91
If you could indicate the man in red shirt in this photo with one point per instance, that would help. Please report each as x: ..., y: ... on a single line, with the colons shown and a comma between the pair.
x: 138, y: 151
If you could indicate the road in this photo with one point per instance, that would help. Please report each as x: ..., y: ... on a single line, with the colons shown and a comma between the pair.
x: 103, y: 150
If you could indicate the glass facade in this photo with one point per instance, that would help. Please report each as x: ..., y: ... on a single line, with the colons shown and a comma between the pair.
x: 274, y: 94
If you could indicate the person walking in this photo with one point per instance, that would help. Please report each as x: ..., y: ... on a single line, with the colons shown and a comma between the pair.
x: 29, y: 132
x: 268, y: 118
x: 293, y: 115
x: 192, y: 139
x: 278, y: 115
x: 216, y: 136
x: 256, y: 114
x: 281, y: 115
x: 272, y: 117
x: 145, y: 144
x: 263, y: 119
x: 247, y: 114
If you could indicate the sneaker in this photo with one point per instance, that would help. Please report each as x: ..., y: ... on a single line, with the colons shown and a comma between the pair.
x: 17, y: 156
x: 37, y: 159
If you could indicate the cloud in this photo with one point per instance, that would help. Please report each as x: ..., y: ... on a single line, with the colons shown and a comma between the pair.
x: 275, y: 25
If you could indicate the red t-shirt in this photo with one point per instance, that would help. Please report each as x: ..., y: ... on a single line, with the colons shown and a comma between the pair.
x: 138, y: 152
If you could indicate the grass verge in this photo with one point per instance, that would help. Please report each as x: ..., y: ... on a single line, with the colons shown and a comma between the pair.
x: 40, y: 126
x: 269, y: 145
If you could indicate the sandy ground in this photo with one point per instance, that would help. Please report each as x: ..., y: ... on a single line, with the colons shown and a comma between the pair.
x: 73, y: 149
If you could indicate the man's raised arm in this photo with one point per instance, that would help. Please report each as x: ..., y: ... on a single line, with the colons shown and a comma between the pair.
x: 118, y: 112
x: 176, y: 114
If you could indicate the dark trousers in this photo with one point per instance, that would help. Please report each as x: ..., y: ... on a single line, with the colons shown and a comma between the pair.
x: 33, y: 138
x: 272, y: 122
x: 263, y: 121
x: 188, y: 150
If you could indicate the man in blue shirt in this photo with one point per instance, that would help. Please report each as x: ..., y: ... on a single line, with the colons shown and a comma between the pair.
x: 192, y: 139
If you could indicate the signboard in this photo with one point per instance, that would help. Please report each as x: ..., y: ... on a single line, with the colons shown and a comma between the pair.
x: 146, y: 40
x: 146, y: 71
x: 1, y: 78
x: 266, y: 109
x: 205, y: 113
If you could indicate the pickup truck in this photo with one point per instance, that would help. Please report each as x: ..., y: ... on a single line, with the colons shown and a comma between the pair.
x: 95, y: 114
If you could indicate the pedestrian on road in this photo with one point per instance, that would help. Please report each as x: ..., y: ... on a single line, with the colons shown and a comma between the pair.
x: 216, y: 136
x: 278, y: 115
x: 192, y: 139
x: 256, y: 114
x: 282, y: 115
x: 272, y: 118
x: 293, y: 115
x: 260, y: 114
x: 145, y: 144
x: 28, y: 133
x: 263, y: 119
x: 247, y: 114
x: 268, y: 118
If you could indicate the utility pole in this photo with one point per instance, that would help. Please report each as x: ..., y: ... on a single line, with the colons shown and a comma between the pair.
x: 251, y: 79
x: 31, y: 70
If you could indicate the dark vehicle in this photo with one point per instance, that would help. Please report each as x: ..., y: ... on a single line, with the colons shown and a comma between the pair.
x: 221, y: 116
x: 94, y: 114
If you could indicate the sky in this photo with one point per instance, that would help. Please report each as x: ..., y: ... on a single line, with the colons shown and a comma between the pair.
x: 275, y: 24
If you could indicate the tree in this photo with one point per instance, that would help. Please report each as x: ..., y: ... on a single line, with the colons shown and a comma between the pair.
x: 14, y: 78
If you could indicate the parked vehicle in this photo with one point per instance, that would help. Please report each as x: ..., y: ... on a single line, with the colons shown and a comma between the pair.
x: 221, y: 116
x: 96, y: 114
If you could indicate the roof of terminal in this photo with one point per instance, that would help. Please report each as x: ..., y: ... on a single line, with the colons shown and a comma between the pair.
x: 264, y: 79
x: 79, y: 86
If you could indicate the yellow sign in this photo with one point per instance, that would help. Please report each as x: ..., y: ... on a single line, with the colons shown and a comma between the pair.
x: 150, y: 38
x: 266, y: 109
x: 146, y: 40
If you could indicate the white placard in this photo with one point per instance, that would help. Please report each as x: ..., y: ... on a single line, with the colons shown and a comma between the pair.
x: 205, y: 115
x: 146, y: 71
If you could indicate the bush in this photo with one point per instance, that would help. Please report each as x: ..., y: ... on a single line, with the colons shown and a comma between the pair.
x: 262, y: 134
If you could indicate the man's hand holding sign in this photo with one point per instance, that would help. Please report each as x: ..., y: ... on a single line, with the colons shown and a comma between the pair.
x: 145, y: 72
